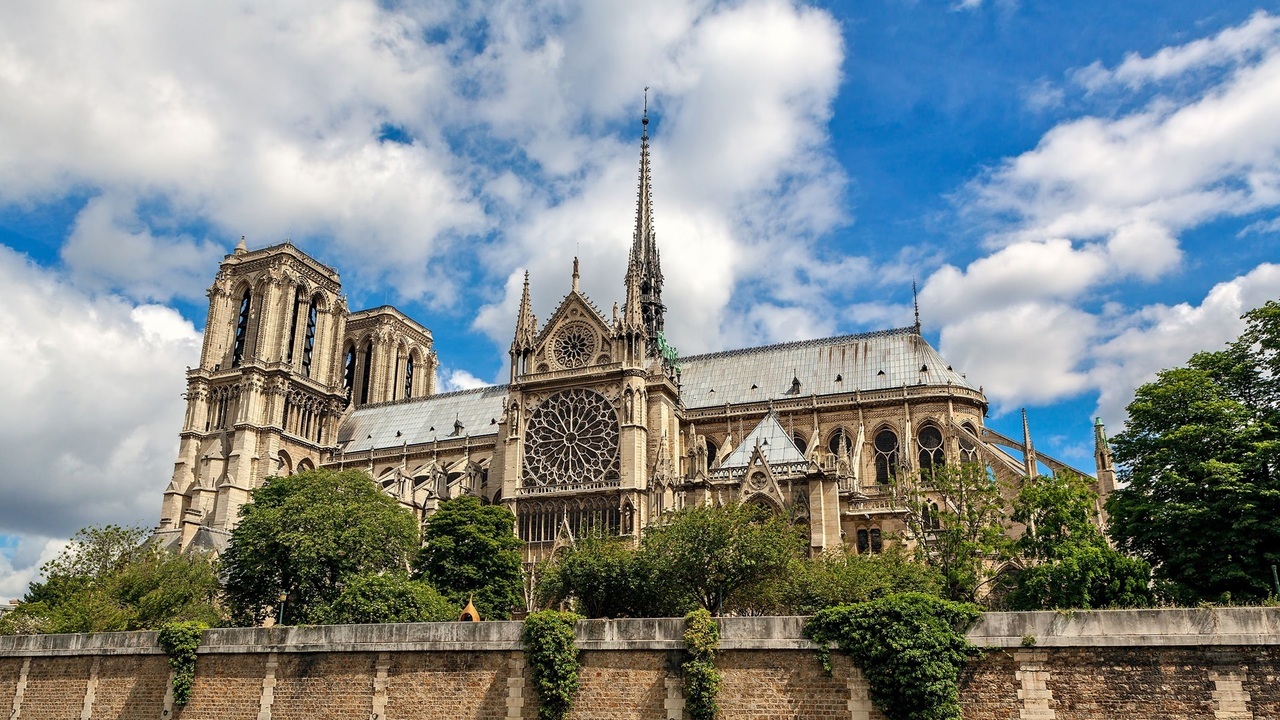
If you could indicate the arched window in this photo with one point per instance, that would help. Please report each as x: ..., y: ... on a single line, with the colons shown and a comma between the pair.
x: 242, y: 329
x: 711, y: 452
x: 349, y: 370
x: 931, y: 456
x: 968, y: 449
x: 801, y: 445
x: 886, y: 444
x: 864, y: 542
x: 293, y: 326
x: 932, y: 520
x: 877, y: 542
x: 309, y: 339
x: 366, y: 356
x: 840, y: 444
x: 408, y: 377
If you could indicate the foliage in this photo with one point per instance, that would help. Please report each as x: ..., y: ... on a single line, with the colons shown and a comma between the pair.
x: 472, y: 548
x: 110, y: 578
x: 552, y: 657
x: 305, y: 536
x: 911, y: 648
x: 965, y: 538
x: 387, y: 597
x: 716, y: 552
x: 1068, y: 563
x: 840, y: 577
x: 701, y: 679
x: 1200, y: 494
x: 1082, y: 577
x: 180, y: 640
x: 608, y: 577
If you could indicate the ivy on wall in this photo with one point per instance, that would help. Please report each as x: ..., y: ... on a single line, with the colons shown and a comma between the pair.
x: 179, y: 641
x: 910, y: 647
x: 701, y: 679
x: 552, y: 658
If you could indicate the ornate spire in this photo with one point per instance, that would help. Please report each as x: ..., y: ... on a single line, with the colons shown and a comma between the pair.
x: 644, y: 270
x: 526, y: 324
x: 1029, y: 459
x: 915, y: 304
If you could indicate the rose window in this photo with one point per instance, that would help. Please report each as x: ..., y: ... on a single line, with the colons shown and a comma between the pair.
x: 572, y: 438
x: 573, y: 345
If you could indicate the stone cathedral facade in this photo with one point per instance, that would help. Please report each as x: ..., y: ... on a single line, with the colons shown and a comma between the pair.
x: 602, y: 426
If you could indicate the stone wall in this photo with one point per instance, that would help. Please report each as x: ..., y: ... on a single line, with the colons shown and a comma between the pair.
x: 1130, y: 665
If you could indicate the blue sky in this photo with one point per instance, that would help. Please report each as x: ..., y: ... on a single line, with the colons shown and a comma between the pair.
x: 1086, y: 192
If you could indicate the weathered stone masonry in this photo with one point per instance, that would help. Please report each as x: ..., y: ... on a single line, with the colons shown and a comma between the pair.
x: 1139, y: 665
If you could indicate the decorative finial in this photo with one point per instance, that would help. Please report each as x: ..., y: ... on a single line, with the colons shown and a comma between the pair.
x: 240, y: 247
x: 915, y: 304
x: 644, y: 119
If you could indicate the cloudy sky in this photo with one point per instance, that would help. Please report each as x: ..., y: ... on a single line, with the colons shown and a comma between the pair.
x: 1085, y: 191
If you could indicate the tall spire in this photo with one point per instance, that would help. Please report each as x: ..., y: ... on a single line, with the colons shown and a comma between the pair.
x: 1029, y: 459
x: 915, y: 304
x: 644, y: 270
x: 526, y: 324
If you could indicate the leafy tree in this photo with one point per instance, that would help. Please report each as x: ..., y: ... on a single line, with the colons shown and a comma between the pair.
x: 1200, y: 497
x: 842, y: 577
x: 305, y: 537
x: 390, y: 597
x: 1067, y: 561
x: 110, y: 578
x: 719, y: 552
x: 609, y: 577
x: 470, y: 548
x: 956, y: 515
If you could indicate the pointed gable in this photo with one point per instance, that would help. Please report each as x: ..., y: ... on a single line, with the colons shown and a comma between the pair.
x: 776, y: 446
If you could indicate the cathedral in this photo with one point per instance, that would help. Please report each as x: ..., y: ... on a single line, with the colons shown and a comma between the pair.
x: 602, y: 426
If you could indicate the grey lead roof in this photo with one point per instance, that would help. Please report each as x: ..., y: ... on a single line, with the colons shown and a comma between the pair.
x: 423, y: 420
x: 775, y: 444
x: 869, y: 361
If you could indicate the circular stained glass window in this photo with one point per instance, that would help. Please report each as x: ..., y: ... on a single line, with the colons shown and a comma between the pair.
x: 573, y: 345
x: 572, y: 438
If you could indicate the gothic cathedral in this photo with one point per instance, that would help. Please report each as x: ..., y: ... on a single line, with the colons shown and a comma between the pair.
x: 602, y: 427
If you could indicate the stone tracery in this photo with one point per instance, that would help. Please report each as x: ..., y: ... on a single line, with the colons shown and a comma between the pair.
x: 572, y: 439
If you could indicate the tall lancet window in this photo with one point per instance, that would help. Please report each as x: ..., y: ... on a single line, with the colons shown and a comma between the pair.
x: 293, y: 326
x: 242, y: 329
x: 309, y: 339
x: 408, y: 377
x: 366, y: 356
x: 349, y: 371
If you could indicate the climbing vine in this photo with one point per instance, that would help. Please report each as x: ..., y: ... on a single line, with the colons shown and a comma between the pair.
x: 552, y: 656
x: 911, y: 648
x: 179, y: 641
x: 701, y: 679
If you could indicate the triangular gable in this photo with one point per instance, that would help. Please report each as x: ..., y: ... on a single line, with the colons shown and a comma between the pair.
x: 593, y: 338
x: 776, y: 446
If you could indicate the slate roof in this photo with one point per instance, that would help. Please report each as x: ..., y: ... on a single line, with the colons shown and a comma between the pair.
x: 423, y: 420
x: 775, y: 444
x: 869, y: 361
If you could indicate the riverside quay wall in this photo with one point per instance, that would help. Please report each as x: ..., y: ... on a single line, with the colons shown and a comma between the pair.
x: 1130, y: 665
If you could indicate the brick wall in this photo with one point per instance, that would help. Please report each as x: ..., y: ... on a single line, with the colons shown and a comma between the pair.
x: 1087, y: 665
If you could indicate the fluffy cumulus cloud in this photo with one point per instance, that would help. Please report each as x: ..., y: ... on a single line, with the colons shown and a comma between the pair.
x: 1105, y: 199
x: 92, y: 387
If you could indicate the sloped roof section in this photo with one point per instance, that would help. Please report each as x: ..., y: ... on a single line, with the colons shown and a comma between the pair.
x: 423, y: 420
x: 776, y: 446
x: 870, y: 361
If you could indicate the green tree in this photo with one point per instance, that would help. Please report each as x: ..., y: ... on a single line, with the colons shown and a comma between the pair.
x: 717, y: 553
x: 305, y: 536
x: 842, y: 577
x: 470, y: 548
x: 609, y: 577
x: 1067, y: 561
x: 956, y: 516
x: 110, y: 578
x: 388, y: 597
x: 1200, y: 494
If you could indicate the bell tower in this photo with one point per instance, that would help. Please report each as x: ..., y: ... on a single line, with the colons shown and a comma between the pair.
x: 267, y: 395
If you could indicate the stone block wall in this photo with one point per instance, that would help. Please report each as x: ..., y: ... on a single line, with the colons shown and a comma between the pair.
x: 1212, y: 664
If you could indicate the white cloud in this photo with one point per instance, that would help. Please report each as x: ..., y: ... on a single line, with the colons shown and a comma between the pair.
x: 461, y: 380
x: 93, y: 387
x: 1102, y: 201
x: 1233, y: 45
x: 20, y: 566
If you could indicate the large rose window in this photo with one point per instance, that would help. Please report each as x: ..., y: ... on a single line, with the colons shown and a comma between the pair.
x: 571, y: 438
